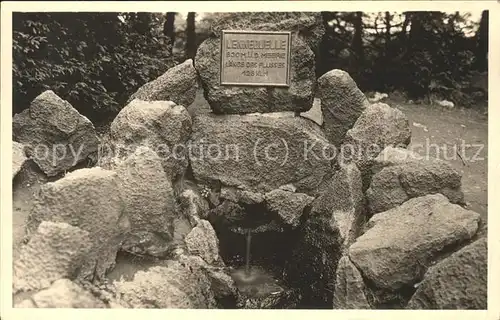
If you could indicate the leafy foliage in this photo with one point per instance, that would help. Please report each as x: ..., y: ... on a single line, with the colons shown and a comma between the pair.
x: 97, y: 60
x: 426, y: 53
x: 93, y: 60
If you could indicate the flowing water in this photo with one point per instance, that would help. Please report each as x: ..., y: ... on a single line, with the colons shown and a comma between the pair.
x: 252, y: 280
x: 247, y: 260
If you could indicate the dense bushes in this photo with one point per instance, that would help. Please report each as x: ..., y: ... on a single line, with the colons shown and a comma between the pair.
x: 424, y: 53
x: 97, y: 60
x: 93, y: 60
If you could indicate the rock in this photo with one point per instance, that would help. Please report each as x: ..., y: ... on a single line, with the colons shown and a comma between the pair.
x: 179, y: 84
x: 18, y: 157
x: 192, y: 205
x: 457, y: 282
x: 178, y: 284
x: 307, y: 29
x: 435, y: 177
x: 341, y: 103
x: 88, y: 199
x: 314, y: 262
x: 297, y: 97
x: 349, y: 287
x: 259, y: 153
x: 147, y: 192
x: 400, y: 243
x: 56, y: 136
x: 182, y: 227
x: 343, y: 202
x: 241, y: 196
x: 378, y: 126
x: 223, y: 287
x: 248, y: 197
x: 25, y: 186
x: 393, y: 185
x: 385, y: 191
x: 378, y: 97
x: 392, y: 156
x: 54, y: 252
x: 446, y: 104
x: 203, y: 241
x: 288, y: 187
x: 287, y: 205
x: 227, y: 215
x: 62, y: 294
x: 315, y: 114
x: 149, y: 244
x: 308, y: 24
x: 162, y: 126
x: 28, y: 303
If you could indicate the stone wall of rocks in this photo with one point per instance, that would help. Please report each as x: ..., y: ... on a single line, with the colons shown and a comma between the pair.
x: 361, y: 221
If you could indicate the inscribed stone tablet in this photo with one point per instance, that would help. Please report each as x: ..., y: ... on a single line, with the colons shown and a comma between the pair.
x: 255, y: 58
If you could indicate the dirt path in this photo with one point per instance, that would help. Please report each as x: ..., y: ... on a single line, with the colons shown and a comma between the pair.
x: 447, y: 131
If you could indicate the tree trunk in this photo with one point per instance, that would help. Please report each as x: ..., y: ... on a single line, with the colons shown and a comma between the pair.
x: 387, y: 32
x: 482, y: 43
x: 415, y: 37
x: 358, y: 63
x: 357, y: 43
x: 323, y: 56
x: 190, y: 36
x: 406, y: 22
x: 169, y: 29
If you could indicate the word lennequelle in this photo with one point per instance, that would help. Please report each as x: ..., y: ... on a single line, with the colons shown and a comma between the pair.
x: 256, y: 44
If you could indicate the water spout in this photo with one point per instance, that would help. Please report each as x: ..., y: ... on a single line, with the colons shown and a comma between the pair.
x: 247, y: 260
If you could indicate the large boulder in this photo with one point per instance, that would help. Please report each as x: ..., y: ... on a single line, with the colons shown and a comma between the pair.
x: 393, y: 156
x: 180, y: 284
x: 18, y: 157
x: 149, y: 202
x: 308, y: 24
x: 162, y: 126
x: 62, y: 294
x: 237, y: 99
x: 55, y: 251
x: 223, y: 287
x: 313, y: 262
x: 241, y: 196
x: 178, y: 84
x: 25, y: 186
x: 230, y: 219
x: 307, y: 31
x: 88, y: 199
x: 146, y: 192
x: 457, y: 282
x: 395, y: 184
x: 378, y: 126
x: 349, y: 287
x: 259, y: 153
x: 56, y: 136
x: 288, y: 206
x: 342, y: 201
x: 400, y: 243
x: 341, y: 102
x: 203, y: 241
